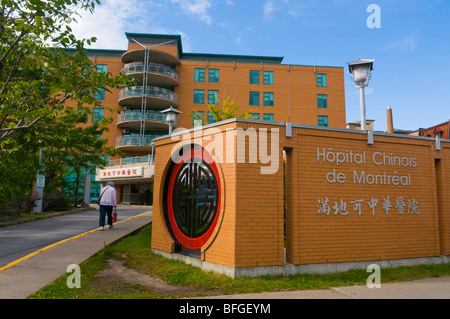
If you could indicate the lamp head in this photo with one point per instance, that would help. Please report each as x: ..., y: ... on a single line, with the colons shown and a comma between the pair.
x: 360, y: 70
x: 171, y: 115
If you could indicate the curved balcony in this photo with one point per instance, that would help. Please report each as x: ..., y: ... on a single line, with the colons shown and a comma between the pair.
x: 156, y: 56
x: 157, y: 74
x: 133, y: 143
x: 157, y: 98
x: 132, y: 120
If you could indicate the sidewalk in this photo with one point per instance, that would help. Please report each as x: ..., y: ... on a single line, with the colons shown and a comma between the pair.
x: 40, y: 268
x: 431, y: 288
x: 31, y: 273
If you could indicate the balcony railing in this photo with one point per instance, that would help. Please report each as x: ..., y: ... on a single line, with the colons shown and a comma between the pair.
x: 149, y: 159
x: 134, y: 140
x: 138, y: 67
x: 149, y: 91
x: 137, y: 116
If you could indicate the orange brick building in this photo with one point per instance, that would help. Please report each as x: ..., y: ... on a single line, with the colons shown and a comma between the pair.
x: 347, y: 199
x: 166, y: 76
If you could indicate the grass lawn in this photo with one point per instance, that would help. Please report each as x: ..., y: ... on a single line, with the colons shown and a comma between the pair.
x: 134, y: 252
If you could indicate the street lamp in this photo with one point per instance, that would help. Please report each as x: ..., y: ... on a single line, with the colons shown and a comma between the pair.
x: 360, y: 70
x: 171, y: 117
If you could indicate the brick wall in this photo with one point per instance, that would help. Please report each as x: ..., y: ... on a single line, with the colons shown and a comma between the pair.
x: 328, y: 217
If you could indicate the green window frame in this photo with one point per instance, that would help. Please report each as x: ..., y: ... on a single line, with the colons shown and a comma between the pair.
x: 213, y: 97
x: 199, y: 75
x: 322, y: 101
x: 211, y: 117
x: 254, y: 98
x: 199, y: 96
x: 322, y: 120
x: 321, y: 80
x: 254, y: 77
x: 100, y: 95
x: 268, y: 77
x: 213, y: 75
x: 255, y: 116
x: 97, y: 114
x: 102, y: 68
x: 197, y: 120
x: 268, y: 117
x: 268, y: 98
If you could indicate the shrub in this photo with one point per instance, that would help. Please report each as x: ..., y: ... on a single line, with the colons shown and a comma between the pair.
x: 16, y: 207
x: 57, y: 201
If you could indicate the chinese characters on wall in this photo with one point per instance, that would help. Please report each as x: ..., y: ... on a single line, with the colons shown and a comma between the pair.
x: 374, y: 206
x: 122, y: 172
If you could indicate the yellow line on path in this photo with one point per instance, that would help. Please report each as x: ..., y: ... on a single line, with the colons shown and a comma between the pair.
x: 15, y: 262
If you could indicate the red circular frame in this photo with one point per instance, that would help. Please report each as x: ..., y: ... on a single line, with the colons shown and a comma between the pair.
x: 192, y: 243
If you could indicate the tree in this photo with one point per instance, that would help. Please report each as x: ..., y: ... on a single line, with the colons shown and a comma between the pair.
x: 45, y: 79
x: 224, y: 110
x: 73, y: 149
x: 36, y: 78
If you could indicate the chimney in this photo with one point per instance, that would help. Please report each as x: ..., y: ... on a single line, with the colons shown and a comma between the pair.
x: 390, y: 122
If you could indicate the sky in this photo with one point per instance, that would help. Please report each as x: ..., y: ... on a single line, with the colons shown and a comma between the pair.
x: 409, y: 40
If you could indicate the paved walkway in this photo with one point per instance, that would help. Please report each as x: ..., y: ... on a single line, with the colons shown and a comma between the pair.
x: 432, y: 288
x: 25, y: 276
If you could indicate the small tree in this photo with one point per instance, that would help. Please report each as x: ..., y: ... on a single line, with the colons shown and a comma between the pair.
x: 224, y: 110
x: 36, y: 78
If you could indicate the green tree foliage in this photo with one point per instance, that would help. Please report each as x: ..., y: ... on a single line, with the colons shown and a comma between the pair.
x: 36, y: 78
x: 224, y: 110
x: 47, y: 88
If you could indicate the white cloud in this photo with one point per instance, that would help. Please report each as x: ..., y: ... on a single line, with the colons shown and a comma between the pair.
x: 269, y: 9
x: 197, y: 8
x: 108, y: 23
x: 404, y: 45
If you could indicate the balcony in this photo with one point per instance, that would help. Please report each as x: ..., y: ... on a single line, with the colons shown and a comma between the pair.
x: 157, y: 74
x: 158, y: 98
x: 156, y: 56
x: 133, y: 143
x: 132, y: 120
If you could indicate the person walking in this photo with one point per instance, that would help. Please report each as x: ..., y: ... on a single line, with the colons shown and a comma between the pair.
x: 108, y: 201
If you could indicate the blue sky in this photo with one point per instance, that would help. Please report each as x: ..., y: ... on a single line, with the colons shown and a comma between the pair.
x: 411, y: 48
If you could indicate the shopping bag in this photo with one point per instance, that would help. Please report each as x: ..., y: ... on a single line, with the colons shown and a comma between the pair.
x: 114, y: 216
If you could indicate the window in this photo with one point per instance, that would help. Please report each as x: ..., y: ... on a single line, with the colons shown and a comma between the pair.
x: 199, y: 75
x: 254, y: 77
x: 255, y: 116
x: 268, y: 77
x: 100, y: 95
x: 268, y: 99
x: 97, y: 114
x: 213, y: 75
x: 197, y: 120
x: 199, y: 96
x: 211, y: 117
x: 213, y: 97
x: 103, y: 68
x: 322, y: 101
x: 322, y: 120
x: 321, y: 80
x: 254, y: 98
x: 268, y: 117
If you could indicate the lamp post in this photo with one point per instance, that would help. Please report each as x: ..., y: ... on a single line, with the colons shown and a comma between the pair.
x: 360, y: 70
x: 171, y: 117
